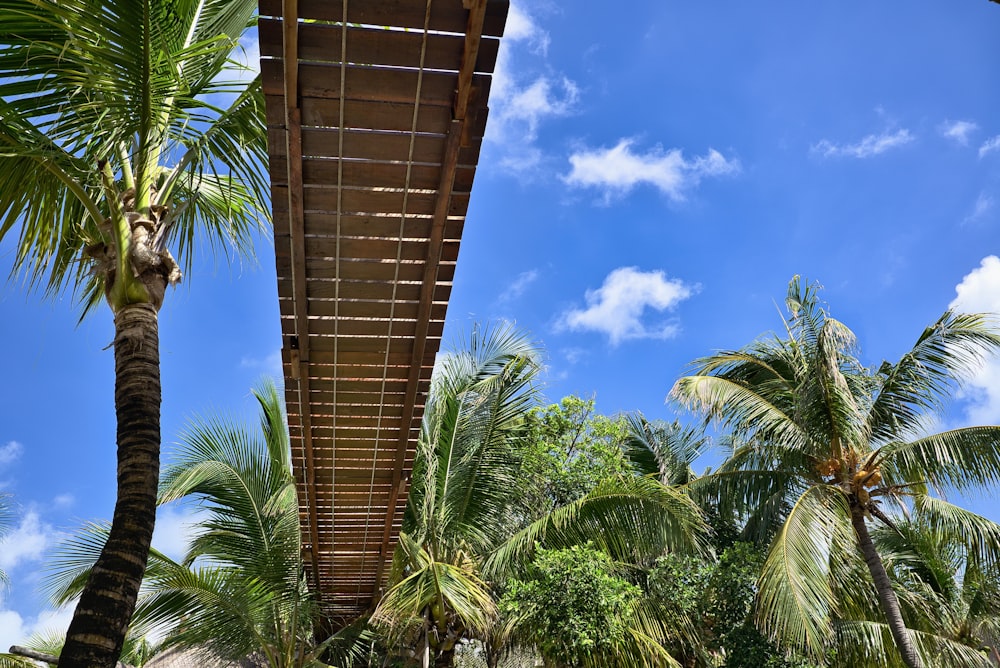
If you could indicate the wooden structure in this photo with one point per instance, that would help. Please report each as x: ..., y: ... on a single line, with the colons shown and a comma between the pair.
x: 376, y: 111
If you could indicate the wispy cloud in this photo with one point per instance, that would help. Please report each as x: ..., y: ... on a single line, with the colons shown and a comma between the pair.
x: 518, y: 286
x: 27, y: 542
x: 9, y: 452
x: 619, y: 169
x: 15, y: 629
x: 174, y: 530
x: 984, y: 204
x: 979, y: 292
x: 958, y: 131
x: 269, y: 364
x: 990, y: 145
x: 868, y: 147
x: 520, y: 103
x: 618, y: 307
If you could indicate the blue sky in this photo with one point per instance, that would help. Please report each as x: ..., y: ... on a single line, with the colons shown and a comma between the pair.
x: 651, y: 181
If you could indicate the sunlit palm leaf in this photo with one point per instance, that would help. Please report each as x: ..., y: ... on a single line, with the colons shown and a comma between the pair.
x: 795, y: 600
x: 628, y: 518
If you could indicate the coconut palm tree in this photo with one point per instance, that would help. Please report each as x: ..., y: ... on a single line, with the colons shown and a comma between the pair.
x: 122, y: 137
x: 466, y: 524
x: 949, y: 592
x: 240, y: 590
x: 826, y: 442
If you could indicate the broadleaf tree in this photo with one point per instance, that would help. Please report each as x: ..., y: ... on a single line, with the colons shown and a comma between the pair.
x: 125, y: 138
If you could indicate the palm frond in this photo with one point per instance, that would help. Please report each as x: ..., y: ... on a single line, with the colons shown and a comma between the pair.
x: 979, y: 535
x: 960, y: 459
x: 919, y: 383
x: 631, y: 519
x: 739, y: 407
x: 796, y: 602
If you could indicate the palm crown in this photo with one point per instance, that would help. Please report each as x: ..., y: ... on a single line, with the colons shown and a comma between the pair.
x: 120, y: 132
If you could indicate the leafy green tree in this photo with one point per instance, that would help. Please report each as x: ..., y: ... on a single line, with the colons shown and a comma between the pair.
x: 569, y: 449
x: 825, y: 442
x: 578, y: 610
x: 241, y: 589
x: 115, y: 146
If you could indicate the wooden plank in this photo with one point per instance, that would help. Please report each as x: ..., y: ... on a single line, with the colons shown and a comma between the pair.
x: 321, y: 42
x: 364, y: 270
x: 366, y: 82
x: 356, y: 202
x: 370, y: 174
x: 361, y: 114
x: 376, y: 145
x: 347, y: 309
x: 446, y: 15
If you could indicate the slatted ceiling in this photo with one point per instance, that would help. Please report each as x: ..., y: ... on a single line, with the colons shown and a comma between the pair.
x: 384, y: 127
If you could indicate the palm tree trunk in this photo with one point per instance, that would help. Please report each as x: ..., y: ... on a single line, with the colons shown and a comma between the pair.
x: 101, y: 619
x: 887, y: 597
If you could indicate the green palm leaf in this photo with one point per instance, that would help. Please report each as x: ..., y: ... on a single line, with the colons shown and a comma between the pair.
x: 795, y: 600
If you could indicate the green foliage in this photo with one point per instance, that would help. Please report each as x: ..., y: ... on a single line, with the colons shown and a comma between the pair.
x: 822, y: 443
x: 716, y: 598
x: 574, y: 605
x: 570, y: 449
x: 241, y: 588
x: 138, y: 91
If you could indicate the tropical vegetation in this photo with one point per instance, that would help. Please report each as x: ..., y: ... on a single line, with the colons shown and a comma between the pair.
x: 550, y: 532
x: 124, y: 143
x: 824, y: 445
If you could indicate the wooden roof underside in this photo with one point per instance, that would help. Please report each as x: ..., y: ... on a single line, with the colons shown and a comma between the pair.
x: 374, y: 134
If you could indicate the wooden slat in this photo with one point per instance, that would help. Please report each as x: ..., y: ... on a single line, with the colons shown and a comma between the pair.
x: 368, y: 83
x: 375, y: 45
x: 446, y: 15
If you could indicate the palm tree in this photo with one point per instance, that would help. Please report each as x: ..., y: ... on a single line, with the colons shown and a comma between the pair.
x: 241, y: 590
x: 118, y: 140
x: 826, y: 442
x: 467, y: 522
x: 949, y: 592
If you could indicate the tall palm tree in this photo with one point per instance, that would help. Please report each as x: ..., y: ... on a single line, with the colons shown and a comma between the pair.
x: 948, y: 591
x: 826, y: 442
x: 121, y: 136
x: 241, y: 589
x: 467, y: 522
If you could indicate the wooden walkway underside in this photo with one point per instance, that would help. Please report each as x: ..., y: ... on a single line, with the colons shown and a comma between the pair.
x: 376, y: 111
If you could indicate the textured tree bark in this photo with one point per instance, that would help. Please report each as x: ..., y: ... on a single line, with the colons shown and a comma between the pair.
x: 886, y: 596
x: 96, y: 634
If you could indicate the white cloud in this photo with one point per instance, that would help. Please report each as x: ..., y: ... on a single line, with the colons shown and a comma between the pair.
x: 869, y: 146
x: 979, y: 292
x: 522, y: 27
x: 27, y: 542
x: 9, y: 452
x: 958, y: 131
x: 174, y: 530
x: 15, y: 629
x: 617, y: 307
x: 519, y: 102
x: 518, y: 285
x: 990, y: 145
x: 618, y: 169
x: 245, y: 57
